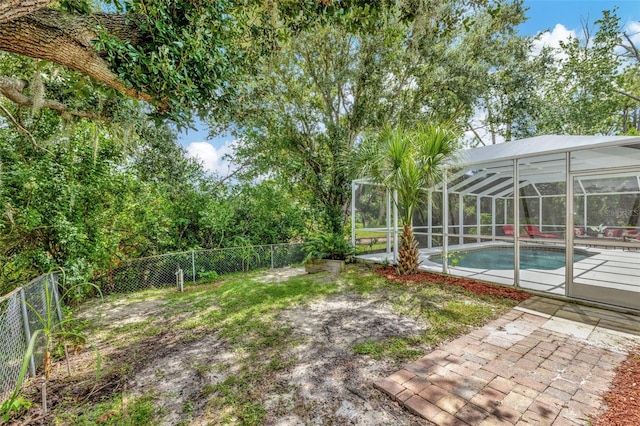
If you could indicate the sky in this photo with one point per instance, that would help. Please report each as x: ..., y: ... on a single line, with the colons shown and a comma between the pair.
x: 555, y: 19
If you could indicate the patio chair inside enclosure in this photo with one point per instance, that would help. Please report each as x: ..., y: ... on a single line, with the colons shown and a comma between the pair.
x: 508, y: 230
x: 535, y: 232
x: 611, y: 233
x: 579, y: 233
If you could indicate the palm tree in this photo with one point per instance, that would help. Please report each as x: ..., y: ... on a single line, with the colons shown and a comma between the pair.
x: 408, y: 162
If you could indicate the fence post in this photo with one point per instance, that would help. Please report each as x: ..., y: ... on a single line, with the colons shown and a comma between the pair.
x: 180, y: 279
x: 27, y: 331
x: 56, y: 296
x: 193, y: 265
x: 271, y: 246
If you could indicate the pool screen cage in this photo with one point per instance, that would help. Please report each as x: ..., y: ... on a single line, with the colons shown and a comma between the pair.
x: 547, y: 195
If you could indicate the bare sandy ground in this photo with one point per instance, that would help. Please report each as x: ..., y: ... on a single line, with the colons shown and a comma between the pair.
x: 327, y: 383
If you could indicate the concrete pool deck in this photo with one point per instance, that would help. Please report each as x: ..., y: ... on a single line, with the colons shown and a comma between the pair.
x: 607, y: 267
x: 545, y: 362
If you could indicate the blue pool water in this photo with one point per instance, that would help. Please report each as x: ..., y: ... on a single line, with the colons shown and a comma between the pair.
x: 502, y: 258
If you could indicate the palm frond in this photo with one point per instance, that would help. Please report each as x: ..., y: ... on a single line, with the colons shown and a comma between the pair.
x: 409, y: 162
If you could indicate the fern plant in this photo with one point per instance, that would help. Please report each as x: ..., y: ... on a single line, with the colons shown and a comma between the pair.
x: 328, y: 246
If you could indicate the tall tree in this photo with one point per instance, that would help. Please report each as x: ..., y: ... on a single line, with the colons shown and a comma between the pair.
x: 409, y: 163
x: 406, y: 63
x: 628, y: 83
x: 580, y: 95
x: 510, y: 107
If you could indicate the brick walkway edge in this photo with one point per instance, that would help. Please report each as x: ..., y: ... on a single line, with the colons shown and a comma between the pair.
x: 511, y: 371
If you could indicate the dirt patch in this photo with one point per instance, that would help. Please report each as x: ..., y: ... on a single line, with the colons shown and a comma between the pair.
x: 179, y: 377
x: 477, y: 287
x: 328, y: 380
x: 279, y: 275
x: 121, y: 312
x: 120, y: 364
x: 623, y: 398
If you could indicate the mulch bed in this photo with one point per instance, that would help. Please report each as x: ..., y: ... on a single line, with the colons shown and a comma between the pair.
x: 623, y: 398
x: 477, y: 287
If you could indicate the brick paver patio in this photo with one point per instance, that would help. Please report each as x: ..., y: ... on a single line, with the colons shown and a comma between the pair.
x: 523, y: 368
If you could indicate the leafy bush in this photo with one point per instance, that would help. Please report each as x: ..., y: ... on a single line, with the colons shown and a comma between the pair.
x: 208, y: 275
x: 329, y: 246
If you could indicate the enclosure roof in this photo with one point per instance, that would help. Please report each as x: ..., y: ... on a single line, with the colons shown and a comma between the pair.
x: 538, y: 145
x: 489, y: 171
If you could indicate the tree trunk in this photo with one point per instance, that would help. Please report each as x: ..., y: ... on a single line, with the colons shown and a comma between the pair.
x: 635, y: 211
x: 408, y: 255
x: 525, y: 208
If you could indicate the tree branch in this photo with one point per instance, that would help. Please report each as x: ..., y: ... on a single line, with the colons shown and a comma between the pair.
x: 627, y: 94
x: 477, y: 135
x: 14, y: 9
x: 67, y: 40
x: 631, y: 48
x: 21, y: 128
x: 12, y: 89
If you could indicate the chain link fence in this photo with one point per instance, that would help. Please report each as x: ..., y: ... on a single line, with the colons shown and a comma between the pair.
x: 20, y: 316
x: 196, y: 265
x: 20, y: 310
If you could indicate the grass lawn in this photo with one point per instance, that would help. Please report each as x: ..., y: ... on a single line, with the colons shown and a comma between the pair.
x: 259, y: 348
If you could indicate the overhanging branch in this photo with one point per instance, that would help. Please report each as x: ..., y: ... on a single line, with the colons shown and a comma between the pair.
x: 21, y: 128
x: 67, y: 40
x: 12, y: 89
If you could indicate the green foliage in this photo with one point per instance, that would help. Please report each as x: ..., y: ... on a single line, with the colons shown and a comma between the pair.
x: 182, y: 56
x: 191, y: 50
x: 394, y: 348
x: 50, y: 329
x: 14, y: 408
x: 404, y: 64
x: 407, y: 163
x: 580, y: 94
x: 328, y: 246
x: 189, y: 55
x: 455, y: 257
x: 91, y: 195
x: 248, y: 253
x: 263, y: 213
x: 209, y: 275
x: 139, y: 411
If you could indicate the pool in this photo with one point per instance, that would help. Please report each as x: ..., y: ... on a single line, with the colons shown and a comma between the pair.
x: 547, y: 258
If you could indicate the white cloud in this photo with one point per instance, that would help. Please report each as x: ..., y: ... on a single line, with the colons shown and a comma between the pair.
x: 211, y: 158
x: 552, y: 39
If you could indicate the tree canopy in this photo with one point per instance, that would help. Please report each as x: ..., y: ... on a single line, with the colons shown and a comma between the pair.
x: 301, y: 83
x: 303, y: 111
x: 85, y: 195
x: 588, y: 85
x: 180, y: 55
